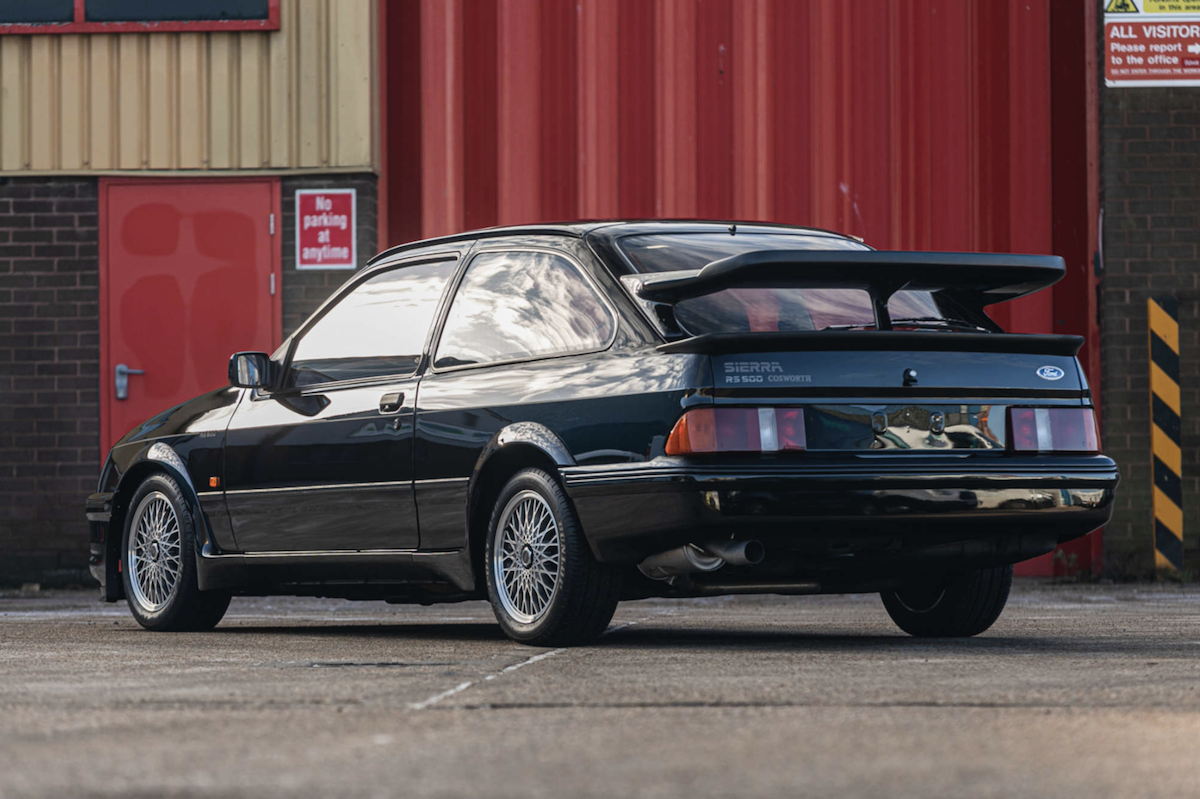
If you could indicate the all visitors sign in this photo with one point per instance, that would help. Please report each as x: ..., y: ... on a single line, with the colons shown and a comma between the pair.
x: 325, y: 227
x: 1152, y: 42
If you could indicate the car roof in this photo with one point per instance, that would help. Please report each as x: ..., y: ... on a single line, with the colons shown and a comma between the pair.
x: 612, y: 229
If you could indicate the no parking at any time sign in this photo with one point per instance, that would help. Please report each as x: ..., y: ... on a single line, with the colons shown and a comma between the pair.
x: 325, y: 228
x: 1152, y: 42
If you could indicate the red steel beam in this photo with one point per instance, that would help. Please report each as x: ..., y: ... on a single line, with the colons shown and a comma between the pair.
x: 637, y: 108
x: 558, y: 118
x: 597, y: 75
x: 675, y: 108
x: 753, y: 111
x: 1029, y: 212
x: 519, y: 103
x: 442, y: 117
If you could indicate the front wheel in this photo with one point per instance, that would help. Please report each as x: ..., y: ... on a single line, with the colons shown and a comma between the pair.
x: 158, y: 560
x: 953, y: 606
x: 545, y: 586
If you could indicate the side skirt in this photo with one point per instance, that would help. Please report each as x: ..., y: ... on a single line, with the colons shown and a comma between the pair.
x: 265, y: 571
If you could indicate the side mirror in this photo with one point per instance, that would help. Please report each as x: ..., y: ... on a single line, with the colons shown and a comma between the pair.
x: 250, y: 369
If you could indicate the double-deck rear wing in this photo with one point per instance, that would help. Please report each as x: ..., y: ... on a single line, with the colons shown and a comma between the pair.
x: 973, y: 279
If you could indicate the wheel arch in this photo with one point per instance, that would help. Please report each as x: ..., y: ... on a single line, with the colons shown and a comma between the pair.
x: 157, y: 458
x: 522, y: 445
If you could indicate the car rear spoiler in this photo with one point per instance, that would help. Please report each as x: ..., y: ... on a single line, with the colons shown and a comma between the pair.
x: 974, y: 279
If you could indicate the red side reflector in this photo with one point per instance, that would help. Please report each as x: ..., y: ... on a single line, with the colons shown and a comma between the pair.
x: 737, y: 430
x: 1052, y: 430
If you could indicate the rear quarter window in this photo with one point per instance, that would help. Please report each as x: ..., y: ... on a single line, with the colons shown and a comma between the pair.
x: 519, y: 305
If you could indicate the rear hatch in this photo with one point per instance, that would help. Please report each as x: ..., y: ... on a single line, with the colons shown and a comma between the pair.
x: 877, y: 351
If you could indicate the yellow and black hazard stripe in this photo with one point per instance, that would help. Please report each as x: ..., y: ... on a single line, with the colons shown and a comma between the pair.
x: 1164, y: 432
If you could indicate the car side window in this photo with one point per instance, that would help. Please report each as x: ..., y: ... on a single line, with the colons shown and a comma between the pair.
x: 378, y: 329
x: 513, y: 305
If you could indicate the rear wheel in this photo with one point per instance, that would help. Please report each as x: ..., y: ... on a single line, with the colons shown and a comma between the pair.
x: 545, y: 586
x: 953, y: 606
x: 158, y: 560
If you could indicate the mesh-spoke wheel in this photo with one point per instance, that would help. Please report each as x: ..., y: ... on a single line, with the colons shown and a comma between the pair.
x: 158, y: 560
x: 526, y: 561
x: 545, y: 585
x: 154, y: 555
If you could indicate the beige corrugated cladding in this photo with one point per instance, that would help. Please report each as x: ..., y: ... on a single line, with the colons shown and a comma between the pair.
x: 296, y: 98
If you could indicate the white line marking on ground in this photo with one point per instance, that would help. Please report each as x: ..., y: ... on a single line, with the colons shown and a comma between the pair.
x: 462, y: 686
x: 525, y: 662
x: 433, y: 700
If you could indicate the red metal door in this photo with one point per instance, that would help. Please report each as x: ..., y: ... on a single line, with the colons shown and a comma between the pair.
x: 188, y: 275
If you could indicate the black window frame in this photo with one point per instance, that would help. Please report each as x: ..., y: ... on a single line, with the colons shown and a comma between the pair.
x: 579, y: 266
x: 81, y: 24
x: 285, y: 366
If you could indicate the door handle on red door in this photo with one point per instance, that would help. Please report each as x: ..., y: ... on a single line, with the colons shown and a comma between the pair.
x: 390, y: 403
x: 121, y: 381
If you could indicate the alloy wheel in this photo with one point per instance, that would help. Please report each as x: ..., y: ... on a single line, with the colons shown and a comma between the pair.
x: 154, y: 558
x: 527, y: 557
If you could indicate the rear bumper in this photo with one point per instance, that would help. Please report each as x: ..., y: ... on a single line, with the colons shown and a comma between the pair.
x: 1009, y: 509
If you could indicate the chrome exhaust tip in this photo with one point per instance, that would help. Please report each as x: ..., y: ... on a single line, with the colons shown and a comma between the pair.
x: 693, y: 558
x: 737, y: 553
x: 687, y: 559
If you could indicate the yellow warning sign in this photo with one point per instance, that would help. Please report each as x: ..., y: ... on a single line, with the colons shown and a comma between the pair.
x: 1159, y: 6
x: 1124, y: 6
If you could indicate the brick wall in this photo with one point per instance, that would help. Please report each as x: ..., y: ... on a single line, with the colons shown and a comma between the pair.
x: 50, y: 353
x: 49, y: 373
x: 304, y: 290
x: 1150, y: 141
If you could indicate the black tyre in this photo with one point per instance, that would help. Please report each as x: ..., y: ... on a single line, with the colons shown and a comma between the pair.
x: 545, y: 586
x: 954, y: 606
x: 158, y: 562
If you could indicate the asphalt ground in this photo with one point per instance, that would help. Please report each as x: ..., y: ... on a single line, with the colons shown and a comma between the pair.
x: 1090, y: 691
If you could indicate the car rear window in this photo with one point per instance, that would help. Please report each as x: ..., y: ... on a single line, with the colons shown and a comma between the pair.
x: 757, y: 310
x: 774, y: 310
x: 671, y: 252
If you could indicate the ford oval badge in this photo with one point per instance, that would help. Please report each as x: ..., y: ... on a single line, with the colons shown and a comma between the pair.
x: 1050, y: 373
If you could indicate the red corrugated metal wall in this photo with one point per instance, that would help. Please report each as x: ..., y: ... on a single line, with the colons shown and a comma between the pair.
x: 912, y: 123
x: 916, y: 124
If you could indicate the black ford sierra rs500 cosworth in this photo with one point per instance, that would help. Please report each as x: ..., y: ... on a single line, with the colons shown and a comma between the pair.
x: 560, y: 417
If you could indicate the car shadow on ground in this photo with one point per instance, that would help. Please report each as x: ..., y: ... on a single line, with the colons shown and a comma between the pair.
x: 744, y: 639
x: 438, y: 631
x: 848, y: 641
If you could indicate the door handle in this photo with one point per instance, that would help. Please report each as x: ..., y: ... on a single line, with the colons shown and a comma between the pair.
x: 121, y: 381
x: 390, y: 403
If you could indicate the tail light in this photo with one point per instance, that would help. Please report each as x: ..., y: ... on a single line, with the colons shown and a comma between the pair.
x: 737, y: 430
x: 1052, y: 430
